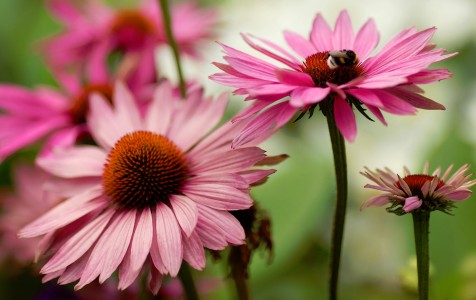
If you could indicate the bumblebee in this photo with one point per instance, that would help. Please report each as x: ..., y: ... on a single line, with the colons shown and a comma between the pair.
x: 341, y: 58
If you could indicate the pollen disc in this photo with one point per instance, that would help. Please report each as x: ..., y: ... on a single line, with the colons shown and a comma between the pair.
x: 143, y: 169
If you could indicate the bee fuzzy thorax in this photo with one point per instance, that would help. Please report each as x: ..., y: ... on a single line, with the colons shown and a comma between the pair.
x: 341, y: 58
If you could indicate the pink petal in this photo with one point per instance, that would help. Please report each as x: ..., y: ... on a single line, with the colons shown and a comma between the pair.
x: 78, y: 161
x: 345, y: 118
x: 126, y: 108
x: 229, y: 179
x: 102, y: 123
x: 415, y: 99
x: 74, y: 271
x: 295, y: 78
x: 230, y: 161
x: 321, y: 35
x: 365, y: 96
x: 218, y: 196
x: 343, y: 35
x: 96, y: 65
x: 66, y: 212
x: 376, y: 111
x: 78, y: 244
x: 378, y: 200
x: 63, y: 138
x: 169, y: 239
x: 160, y: 112
x: 265, y: 124
x: 224, y: 222
x: 290, y: 61
x: 29, y: 134
x: 186, y: 213
x: 193, y: 251
x: 458, y: 195
x: 252, y: 176
x: 203, y: 117
x: 394, y: 104
x: 299, y: 44
x: 412, y: 203
x: 303, y: 96
x: 155, y: 281
x: 211, y: 236
x: 139, y: 249
x: 366, y: 40
x: 110, y: 249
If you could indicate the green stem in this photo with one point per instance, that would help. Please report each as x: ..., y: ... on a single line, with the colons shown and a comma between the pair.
x: 340, y: 166
x: 173, y: 44
x: 187, y: 282
x: 421, y: 224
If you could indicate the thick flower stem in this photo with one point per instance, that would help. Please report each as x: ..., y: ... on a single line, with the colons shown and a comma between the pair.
x: 173, y: 44
x: 421, y: 224
x: 340, y: 166
x: 187, y: 282
x: 238, y: 271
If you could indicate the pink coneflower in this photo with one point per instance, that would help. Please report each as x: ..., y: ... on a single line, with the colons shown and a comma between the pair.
x: 418, y: 191
x: 156, y: 189
x: 93, y: 32
x: 20, y: 208
x: 333, y: 68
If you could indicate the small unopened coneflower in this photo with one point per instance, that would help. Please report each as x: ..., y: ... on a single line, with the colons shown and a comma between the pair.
x: 420, y: 194
x: 422, y: 191
x: 156, y: 190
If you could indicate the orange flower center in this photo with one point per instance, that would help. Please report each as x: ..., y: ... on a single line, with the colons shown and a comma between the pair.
x: 130, y: 30
x: 143, y: 169
x: 80, y: 107
x: 337, y: 67
x: 416, y: 181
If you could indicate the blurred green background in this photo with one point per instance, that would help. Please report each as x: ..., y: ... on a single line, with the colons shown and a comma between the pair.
x: 378, y: 247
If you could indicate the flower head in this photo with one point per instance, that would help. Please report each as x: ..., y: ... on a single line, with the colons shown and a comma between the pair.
x: 94, y: 34
x: 333, y: 67
x: 21, y: 208
x: 156, y: 189
x: 419, y: 191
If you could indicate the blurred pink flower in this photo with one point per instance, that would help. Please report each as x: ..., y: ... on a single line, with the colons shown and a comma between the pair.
x: 157, y: 188
x: 333, y: 66
x: 94, y: 31
x: 20, y: 208
x: 418, y: 191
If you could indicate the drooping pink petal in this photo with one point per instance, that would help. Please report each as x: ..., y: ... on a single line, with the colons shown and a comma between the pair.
x: 303, y: 96
x: 193, y: 251
x: 415, y: 99
x: 458, y: 195
x: 186, y: 213
x: 218, y: 196
x: 169, y: 239
x: 224, y: 222
x: 365, y: 96
x: 155, y: 281
x: 345, y: 119
x: 65, y: 213
x: 294, y: 78
x: 138, y: 251
x: 412, y: 203
x: 110, y: 249
x: 78, y: 244
x: 377, y: 200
